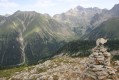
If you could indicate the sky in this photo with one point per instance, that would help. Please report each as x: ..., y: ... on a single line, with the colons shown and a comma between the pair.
x: 51, y: 6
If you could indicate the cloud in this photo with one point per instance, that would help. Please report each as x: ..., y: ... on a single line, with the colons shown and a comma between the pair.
x: 7, y: 4
x: 42, y: 4
x: 84, y: 0
x: 74, y: 3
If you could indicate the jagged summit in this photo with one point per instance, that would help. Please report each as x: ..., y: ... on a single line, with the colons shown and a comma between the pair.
x: 116, y: 6
x: 25, y: 13
x: 79, y: 8
x: 115, y: 10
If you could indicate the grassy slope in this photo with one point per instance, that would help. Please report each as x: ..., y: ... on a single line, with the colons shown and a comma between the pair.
x: 108, y: 29
x: 9, y: 72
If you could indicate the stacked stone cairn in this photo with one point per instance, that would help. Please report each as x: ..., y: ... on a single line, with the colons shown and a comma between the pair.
x: 98, y: 66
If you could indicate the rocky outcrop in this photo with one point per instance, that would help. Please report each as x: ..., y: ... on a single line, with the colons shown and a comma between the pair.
x: 98, y: 66
x: 62, y: 68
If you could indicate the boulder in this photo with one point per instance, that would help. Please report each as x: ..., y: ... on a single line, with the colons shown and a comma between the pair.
x: 101, y: 41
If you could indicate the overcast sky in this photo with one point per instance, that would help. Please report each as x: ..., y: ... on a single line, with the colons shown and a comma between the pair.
x: 51, y: 6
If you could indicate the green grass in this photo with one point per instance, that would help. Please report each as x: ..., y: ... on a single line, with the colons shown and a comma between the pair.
x: 111, y: 25
x: 9, y: 72
x: 108, y: 29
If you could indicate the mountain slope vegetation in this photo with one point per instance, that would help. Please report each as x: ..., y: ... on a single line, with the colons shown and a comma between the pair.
x: 108, y: 29
x: 29, y: 37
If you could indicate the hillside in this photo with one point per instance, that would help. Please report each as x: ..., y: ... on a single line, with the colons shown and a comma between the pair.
x: 98, y: 19
x: 98, y: 65
x: 108, y: 29
x: 27, y: 37
x: 82, y: 48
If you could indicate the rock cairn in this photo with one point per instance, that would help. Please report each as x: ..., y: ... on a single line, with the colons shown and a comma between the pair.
x: 98, y: 66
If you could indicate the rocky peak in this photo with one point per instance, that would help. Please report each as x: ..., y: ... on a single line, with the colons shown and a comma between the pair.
x: 79, y: 8
x: 115, y: 10
x: 78, y: 17
x: 116, y: 7
x: 88, y: 11
x: 21, y: 12
x: 25, y: 14
x: 47, y: 16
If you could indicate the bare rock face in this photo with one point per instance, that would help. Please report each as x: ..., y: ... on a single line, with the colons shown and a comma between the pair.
x: 98, y: 66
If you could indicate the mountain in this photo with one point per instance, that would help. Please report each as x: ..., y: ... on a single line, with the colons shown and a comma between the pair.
x: 78, y: 18
x: 104, y: 25
x: 84, y: 20
x: 104, y: 16
x: 27, y: 37
x: 115, y: 10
